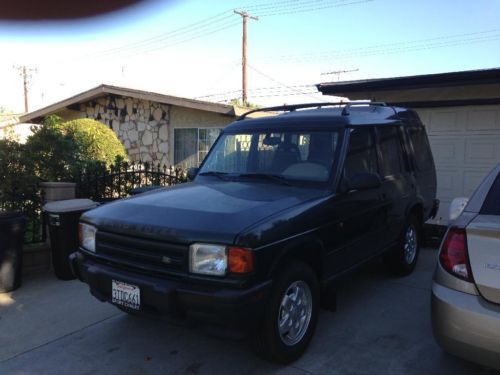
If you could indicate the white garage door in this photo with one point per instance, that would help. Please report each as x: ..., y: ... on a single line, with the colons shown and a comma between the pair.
x: 465, y: 142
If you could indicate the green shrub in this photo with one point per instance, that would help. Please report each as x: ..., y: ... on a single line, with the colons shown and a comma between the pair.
x: 60, y: 150
x: 17, y: 178
x: 95, y: 140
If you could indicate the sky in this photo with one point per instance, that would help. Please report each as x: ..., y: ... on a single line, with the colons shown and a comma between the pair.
x: 192, y: 48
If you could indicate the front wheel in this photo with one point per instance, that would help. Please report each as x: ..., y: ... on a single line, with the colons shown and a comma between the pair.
x: 403, y: 259
x: 290, y: 321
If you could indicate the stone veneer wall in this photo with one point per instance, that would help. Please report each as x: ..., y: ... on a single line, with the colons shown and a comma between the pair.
x: 141, y: 125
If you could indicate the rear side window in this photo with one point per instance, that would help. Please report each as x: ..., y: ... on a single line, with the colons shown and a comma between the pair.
x: 391, y: 150
x: 491, y: 205
x: 422, y: 151
x: 362, y: 153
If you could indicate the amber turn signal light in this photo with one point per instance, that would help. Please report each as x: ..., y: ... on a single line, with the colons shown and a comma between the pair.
x: 240, y: 260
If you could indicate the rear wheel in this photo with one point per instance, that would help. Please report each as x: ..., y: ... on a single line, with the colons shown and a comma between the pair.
x: 403, y: 259
x: 290, y: 321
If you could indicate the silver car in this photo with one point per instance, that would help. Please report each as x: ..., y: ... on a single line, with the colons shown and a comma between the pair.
x: 466, y: 288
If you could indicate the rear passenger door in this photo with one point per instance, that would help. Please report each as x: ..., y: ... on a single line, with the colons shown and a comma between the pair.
x: 398, y: 183
x: 360, y: 212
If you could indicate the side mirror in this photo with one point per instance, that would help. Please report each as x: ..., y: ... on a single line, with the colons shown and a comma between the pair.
x: 457, y: 206
x: 191, y: 173
x: 364, y: 181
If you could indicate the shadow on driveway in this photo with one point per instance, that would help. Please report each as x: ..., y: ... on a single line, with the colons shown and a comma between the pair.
x: 382, y: 326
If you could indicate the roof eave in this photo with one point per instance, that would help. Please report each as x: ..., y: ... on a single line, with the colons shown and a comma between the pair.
x: 100, y: 90
x: 475, y: 77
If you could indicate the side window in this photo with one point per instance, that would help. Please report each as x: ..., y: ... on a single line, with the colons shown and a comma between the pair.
x: 421, y: 148
x: 391, y: 150
x: 362, y: 153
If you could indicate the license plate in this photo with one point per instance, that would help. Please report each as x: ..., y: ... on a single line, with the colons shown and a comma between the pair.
x: 126, y: 295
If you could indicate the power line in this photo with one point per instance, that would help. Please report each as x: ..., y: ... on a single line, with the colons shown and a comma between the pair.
x: 296, y: 10
x: 396, y: 47
x: 280, y: 83
x: 211, y: 25
x: 257, y: 89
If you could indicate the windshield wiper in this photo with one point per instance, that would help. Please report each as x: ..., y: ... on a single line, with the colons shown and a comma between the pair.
x: 273, y: 177
x: 221, y: 175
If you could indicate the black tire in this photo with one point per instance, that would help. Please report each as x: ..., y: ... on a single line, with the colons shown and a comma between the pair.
x: 267, y: 338
x: 398, y: 261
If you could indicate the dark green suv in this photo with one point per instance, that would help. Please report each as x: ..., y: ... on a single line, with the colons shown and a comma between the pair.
x: 280, y: 208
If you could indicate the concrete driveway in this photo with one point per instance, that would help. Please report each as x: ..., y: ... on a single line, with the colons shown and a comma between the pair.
x: 382, y: 326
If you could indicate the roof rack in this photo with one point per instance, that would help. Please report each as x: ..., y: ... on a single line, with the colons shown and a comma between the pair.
x: 293, y: 107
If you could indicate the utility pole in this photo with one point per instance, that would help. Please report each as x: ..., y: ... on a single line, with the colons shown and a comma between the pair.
x: 26, y: 74
x: 245, y: 16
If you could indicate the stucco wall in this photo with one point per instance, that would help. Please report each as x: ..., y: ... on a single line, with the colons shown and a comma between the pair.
x: 190, y: 118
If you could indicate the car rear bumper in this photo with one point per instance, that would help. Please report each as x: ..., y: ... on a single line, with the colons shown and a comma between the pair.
x: 228, y: 307
x: 467, y: 326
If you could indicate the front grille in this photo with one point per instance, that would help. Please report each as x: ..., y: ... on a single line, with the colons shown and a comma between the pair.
x: 143, y: 254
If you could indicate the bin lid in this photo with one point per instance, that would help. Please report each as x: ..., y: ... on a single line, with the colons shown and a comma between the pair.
x: 70, y: 205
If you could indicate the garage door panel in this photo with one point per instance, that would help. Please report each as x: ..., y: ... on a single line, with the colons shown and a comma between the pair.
x: 447, y: 150
x: 483, y: 120
x: 472, y: 179
x: 465, y: 142
x: 482, y: 151
x: 449, y: 183
x: 445, y: 121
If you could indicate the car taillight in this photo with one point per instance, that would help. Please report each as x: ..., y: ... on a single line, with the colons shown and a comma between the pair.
x: 454, y: 256
x: 240, y: 260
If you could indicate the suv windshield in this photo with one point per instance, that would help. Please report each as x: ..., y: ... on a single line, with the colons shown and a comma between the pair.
x: 284, y: 155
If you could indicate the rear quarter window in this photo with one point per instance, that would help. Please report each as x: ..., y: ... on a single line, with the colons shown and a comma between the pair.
x: 491, y: 205
x: 421, y: 148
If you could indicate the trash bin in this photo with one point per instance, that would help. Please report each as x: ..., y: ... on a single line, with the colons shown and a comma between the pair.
x: 12, y: 227
x: 144, y: 189
x: 62, y: 218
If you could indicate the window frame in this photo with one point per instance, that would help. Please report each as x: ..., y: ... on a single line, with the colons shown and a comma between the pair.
x: 199, y: 162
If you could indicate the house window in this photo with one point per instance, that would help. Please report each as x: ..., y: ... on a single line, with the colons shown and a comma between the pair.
x: 191, y: 145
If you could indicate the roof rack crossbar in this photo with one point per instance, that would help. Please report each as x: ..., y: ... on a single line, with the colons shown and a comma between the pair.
x: 294, y: 107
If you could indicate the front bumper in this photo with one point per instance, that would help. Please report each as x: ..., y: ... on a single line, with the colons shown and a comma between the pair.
x: 227, y: 307
x: 466, y: 325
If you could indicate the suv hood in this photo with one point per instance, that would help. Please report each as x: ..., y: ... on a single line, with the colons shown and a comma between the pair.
x: 214, y: 212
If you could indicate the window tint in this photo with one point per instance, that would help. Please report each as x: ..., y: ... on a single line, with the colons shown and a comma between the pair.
x: 362, y: 153
x: 390, y: 147
x: 422, y: 151
x: 491, y: 205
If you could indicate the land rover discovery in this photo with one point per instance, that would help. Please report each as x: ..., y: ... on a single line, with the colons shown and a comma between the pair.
x: 280, y: 207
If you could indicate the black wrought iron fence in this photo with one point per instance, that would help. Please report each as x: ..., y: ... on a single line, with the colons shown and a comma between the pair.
x: 94, y: 181
x: 104, y: 184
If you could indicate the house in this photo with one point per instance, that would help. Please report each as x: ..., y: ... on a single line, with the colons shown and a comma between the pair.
x: 10, y: 128
x: 153, y: 127
x: 461, y: 111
